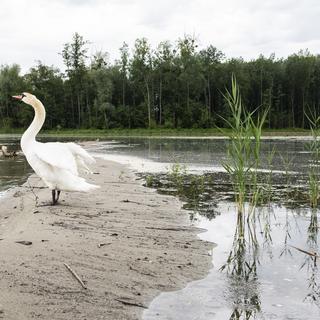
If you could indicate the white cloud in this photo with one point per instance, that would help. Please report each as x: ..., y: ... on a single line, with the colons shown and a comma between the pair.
x: 36, y: 30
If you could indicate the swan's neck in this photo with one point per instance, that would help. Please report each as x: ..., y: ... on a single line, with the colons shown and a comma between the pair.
x: 30, y: 134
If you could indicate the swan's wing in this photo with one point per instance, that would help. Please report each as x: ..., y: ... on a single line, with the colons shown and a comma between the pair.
x: 79, y: 152
x: 82, y: 157
x: 57, y: 155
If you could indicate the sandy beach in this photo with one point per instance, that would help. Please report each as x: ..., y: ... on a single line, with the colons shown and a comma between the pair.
x: 126, y: 243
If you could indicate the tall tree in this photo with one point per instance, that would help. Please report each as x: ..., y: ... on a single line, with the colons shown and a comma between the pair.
x: 141, y: 72
x: 10, y: 82
x: 74, y: 55
x: 124, y: 69
x: 164, y: 72
x: 101, y: 77
x: 47, y: 84
x: 210, y: 59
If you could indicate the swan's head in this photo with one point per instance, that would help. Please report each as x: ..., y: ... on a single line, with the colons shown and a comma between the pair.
x: 26, y: 97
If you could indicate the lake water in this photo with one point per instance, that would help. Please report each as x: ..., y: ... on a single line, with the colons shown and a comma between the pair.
x: 267, y: 278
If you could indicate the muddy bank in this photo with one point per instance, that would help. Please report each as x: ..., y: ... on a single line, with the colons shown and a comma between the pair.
x: 126, y: 242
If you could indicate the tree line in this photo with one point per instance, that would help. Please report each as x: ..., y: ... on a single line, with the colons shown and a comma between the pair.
x: 175, y: 85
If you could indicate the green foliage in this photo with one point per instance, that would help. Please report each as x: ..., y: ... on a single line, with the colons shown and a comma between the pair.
x: 175, y: 85
x: 176, y: 173
x: 149, y: 181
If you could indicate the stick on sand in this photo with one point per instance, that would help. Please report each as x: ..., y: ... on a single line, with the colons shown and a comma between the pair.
x: 76, y: 276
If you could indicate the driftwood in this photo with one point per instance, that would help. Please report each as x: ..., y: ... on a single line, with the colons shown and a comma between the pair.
x: 24, y: 242
x: 103, y: 244
x: 168, y: 229
x: 75, y: 276
x: 145, y: 273
x: 312, y: 254
x: 131, y: 303
x: 140, y: 203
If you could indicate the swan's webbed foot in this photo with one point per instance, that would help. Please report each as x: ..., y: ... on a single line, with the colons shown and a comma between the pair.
x: 55, y: 197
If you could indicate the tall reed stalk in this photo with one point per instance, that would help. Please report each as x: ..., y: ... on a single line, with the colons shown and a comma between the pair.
x: 243, y: 148
x: 314, y: 148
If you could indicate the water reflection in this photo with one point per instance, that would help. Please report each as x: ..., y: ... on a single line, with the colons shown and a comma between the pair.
x: 263, y: 242
x: 243, y: 260
x: 310, y: 262
x: 253, y: 276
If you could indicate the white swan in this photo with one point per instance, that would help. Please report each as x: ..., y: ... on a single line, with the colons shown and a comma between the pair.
x: 57, y: 164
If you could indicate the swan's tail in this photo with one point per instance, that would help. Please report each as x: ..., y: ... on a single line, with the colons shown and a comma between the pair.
x: 87, y: 187
x: 75, y: 183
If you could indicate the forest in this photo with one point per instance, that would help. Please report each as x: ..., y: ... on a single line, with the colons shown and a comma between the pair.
x: 175, y: 85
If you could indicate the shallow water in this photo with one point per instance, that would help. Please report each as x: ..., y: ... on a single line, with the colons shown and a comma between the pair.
x: 156, y: 155
x: 265, y: 279
x: 274, y: 281
x: 13, y: 170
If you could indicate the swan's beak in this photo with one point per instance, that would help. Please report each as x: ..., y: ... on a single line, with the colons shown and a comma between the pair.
x: 18, y: 97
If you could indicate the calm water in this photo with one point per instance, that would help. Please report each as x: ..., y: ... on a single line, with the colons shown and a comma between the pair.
x: 262, y: 279
x: 271, y: 281
x: 198, y: 154
x: 13, y: 171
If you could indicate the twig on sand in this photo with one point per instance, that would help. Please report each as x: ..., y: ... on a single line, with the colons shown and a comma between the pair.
x: 140, y: 203
x: 76, y: 276
x: 168, y: 229
x: 129, y: 303
x: 35, y: 196
x: 24, y: 242
x: 103, y: 244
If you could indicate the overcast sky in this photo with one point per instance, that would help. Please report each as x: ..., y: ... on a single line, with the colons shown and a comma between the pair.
x: 37, y: 29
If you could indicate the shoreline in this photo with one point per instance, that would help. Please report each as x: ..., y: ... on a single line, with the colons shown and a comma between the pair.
x: 304, y: 136
x: 125, y: 241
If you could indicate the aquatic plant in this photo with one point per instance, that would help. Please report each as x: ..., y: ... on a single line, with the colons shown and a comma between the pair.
x: 243, y: 148
x: 176, y: 173
x: 242, y: 165
x: 287, y: 163
x: 149, y: 180
x: 267, y: 196
x: 314, y: 148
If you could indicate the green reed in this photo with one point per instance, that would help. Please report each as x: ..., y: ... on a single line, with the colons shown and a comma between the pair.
x: 243, y: 148
x: 314, y: 167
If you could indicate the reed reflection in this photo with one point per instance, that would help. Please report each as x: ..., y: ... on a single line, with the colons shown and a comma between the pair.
x: 241, y: 268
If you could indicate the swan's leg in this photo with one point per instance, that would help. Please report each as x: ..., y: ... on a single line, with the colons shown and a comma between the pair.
x: 58, y: 194
x: 54, y: 201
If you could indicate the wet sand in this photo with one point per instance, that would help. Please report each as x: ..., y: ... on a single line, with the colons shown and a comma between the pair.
x: 126, y: 243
